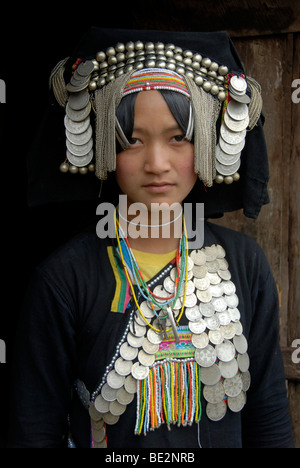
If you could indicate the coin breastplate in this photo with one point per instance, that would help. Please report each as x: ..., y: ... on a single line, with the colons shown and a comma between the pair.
x: 168, y: 376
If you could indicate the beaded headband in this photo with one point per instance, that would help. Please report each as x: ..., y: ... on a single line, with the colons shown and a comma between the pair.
x: 155, y: 78
x: 100, y: 84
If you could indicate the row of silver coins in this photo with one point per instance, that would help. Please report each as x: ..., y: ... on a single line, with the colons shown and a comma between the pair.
x: 78, y: 128
x: 220, y: 346
x: 113, y: 62
x: 232, y: 138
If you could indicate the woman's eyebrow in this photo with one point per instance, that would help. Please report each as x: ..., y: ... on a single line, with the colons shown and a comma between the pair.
x: 172, y: 128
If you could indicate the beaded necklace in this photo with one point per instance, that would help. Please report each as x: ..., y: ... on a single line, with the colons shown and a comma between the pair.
x: 133, y: 272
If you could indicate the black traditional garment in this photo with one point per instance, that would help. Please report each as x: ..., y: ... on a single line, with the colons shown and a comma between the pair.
x: 92, y: 367
x: 68, y: 334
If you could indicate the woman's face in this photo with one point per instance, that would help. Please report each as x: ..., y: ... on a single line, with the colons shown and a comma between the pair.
x: 159, y: 164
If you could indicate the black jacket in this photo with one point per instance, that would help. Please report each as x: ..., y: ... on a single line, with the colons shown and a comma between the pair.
x: 67, y: 331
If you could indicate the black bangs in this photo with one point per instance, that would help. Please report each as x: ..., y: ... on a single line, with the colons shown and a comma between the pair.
x: 177, y: 103
x: 125, y: 116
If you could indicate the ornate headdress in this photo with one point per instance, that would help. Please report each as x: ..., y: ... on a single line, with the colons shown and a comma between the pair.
x: 132, y: 67
x: 225, y: 108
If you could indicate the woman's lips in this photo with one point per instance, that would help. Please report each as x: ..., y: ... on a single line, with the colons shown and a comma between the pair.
x: 159, y: 187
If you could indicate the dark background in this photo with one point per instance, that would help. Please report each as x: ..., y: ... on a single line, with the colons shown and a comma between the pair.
x: 32, y: 41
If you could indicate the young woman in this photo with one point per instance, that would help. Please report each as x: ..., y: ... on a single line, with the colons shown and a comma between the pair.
x: 140, y: 340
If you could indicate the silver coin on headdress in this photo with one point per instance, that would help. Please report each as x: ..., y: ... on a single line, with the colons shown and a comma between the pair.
x: 85, y: 68
x: 78, y: 101
x: 236, y: 125
x: 80, y: 138
x: 237, y: 110
x: 80, y: 161
x: 232, y: 138
x: 79, y: 150
x: 75, y: 86
x: 227, y: 170
x: 229, y: 149
x: 78, y: 115
x: 76, y: 127
x: 238, y: 84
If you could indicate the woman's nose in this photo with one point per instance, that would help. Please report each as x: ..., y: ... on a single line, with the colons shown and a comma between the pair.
x: 157, y: 159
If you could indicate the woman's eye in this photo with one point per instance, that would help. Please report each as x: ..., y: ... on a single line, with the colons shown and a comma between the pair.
x: 178, y: 138
x: 133, y: 141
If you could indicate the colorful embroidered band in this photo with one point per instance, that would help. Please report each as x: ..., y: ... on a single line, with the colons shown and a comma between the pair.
x: 154, y: 78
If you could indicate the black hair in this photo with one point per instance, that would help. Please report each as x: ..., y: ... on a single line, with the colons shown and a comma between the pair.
x: 177, y: 103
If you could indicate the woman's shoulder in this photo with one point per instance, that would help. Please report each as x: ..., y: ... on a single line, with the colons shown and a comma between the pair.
x: 84, y: 252
x: 241, y: 249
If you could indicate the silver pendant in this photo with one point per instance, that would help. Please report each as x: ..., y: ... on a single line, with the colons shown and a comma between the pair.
x: 173, y: 324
